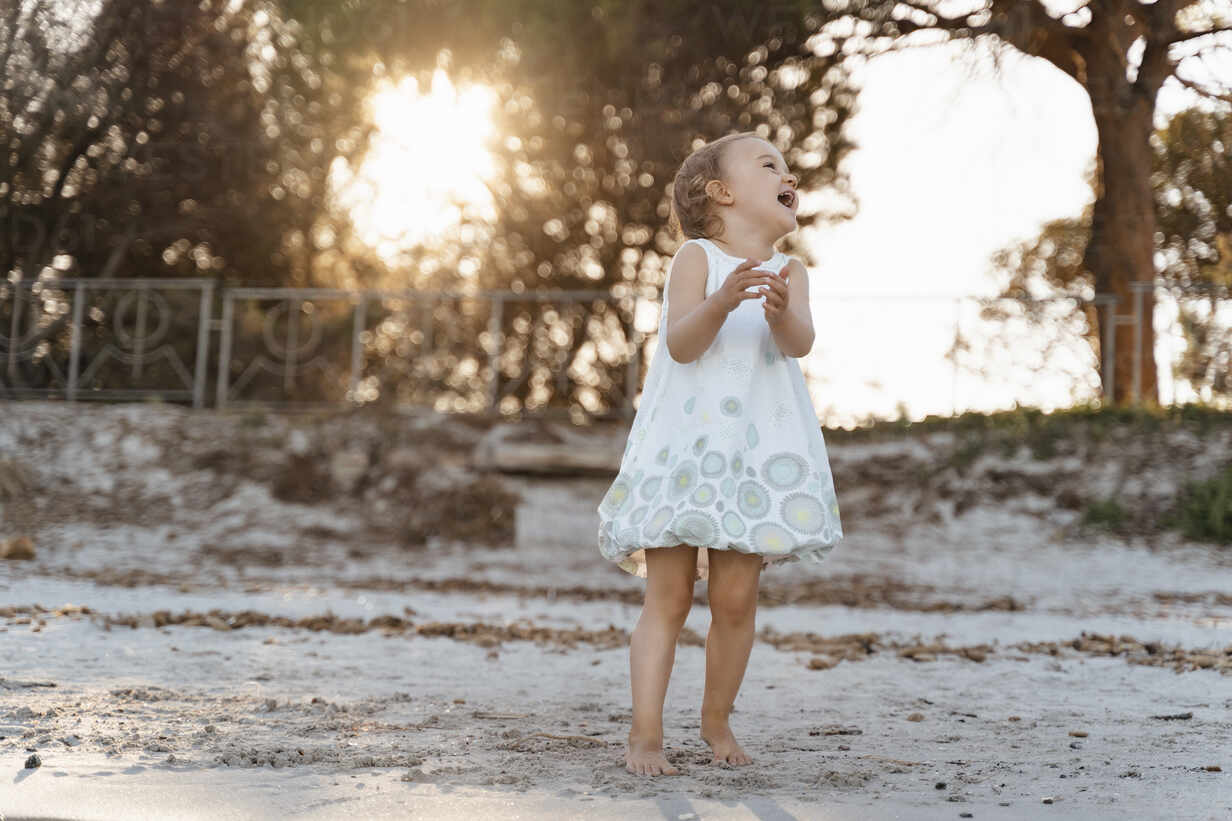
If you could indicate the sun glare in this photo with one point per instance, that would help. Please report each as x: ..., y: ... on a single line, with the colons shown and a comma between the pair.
x: 425, y: 166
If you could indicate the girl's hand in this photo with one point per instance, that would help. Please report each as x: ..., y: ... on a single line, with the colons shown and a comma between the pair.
x: 732, y: 292
x: 776, y: 297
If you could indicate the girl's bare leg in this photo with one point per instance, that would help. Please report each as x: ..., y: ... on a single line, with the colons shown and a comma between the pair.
x: 670, y: 573
x: 733, y: 584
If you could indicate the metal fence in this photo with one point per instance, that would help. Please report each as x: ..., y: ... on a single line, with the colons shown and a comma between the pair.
x: 113, y: 339
x: 79, y: 339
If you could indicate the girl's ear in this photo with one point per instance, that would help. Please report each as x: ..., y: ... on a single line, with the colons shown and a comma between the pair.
x: 717, y: 191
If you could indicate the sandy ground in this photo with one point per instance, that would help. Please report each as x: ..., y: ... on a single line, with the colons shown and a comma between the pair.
x: 189, y: 641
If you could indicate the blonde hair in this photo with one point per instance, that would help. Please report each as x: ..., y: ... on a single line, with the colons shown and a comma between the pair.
x: 691, y: 216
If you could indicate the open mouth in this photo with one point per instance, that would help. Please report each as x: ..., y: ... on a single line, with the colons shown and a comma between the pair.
x: 788, y: 198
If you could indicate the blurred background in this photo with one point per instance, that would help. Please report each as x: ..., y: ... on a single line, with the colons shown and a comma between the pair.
x: 368, y: 203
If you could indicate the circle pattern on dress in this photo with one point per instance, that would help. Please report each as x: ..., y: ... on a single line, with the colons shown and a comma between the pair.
x: 751, y: 435
x: 737, y: 464
x: 682, y: 480
x: 695, y: 527
x: 730, y: 406
x: 699, y: 446
x: 752, y: 499
x: 784, y: 471
x: 639, y: 514
x: 650, y: 487
x: 768, y: 537
x: 728, y: 486
x: 733, y: 524
x: 688, y: 405
x: 704, y: 495
x: 803, y: 512
x: 713, y: 463
x: 661, y: 456
x: 655, y: 524
x: 616, y: 496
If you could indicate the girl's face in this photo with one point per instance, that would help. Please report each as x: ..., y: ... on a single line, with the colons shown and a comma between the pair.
x: 762, y: 191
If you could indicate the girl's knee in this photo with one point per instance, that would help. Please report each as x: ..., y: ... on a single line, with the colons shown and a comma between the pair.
x: 671, y: 602
x: 733, y: 603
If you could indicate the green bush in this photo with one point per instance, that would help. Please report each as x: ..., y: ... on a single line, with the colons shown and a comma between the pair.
x: 1107, y: 513
x: 1204, y: 509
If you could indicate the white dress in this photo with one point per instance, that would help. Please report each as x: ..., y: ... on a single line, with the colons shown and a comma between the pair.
x: 725, y: 452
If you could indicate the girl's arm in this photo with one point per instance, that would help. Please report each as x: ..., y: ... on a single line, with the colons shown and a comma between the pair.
x: 693, y: 321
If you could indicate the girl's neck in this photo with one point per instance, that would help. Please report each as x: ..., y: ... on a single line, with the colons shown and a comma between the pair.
x: 747, y: 251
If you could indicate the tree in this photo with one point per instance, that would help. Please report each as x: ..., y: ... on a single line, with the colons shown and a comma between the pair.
x: 605, y: 99
x: 1191, y: 180
x: 1121, y: 52
x: 158, y: 139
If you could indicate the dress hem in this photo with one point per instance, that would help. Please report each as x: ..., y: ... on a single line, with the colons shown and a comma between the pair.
x: 813, y: 555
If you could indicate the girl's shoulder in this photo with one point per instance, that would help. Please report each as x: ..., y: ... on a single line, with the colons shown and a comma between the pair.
x: 699, y: 242
x: 706, y: 245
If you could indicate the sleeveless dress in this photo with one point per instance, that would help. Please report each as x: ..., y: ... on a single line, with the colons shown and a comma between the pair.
x: 725, y: 452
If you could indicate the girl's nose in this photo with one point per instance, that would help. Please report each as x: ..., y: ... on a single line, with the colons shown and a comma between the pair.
x: 792, y: 179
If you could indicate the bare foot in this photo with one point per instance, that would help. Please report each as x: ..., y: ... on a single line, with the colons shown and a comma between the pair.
x: 717, y: 733
x: 645, y: 757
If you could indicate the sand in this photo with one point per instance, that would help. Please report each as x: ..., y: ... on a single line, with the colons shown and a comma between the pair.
x: 187, y: 644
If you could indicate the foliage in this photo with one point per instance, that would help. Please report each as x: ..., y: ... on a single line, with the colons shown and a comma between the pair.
x: 1106, y: 513
x: 1040, y: 429
x: 1204, y: 509
x: 1191, y: 179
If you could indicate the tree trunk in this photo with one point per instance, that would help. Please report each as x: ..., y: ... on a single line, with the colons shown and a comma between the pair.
x: 1122, y: 245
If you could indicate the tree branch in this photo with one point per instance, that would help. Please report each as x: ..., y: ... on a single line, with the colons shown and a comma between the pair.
x: 1163, y: 16
x: 1185, y: 37
x: 951, y: 24
x: 1210, y: 95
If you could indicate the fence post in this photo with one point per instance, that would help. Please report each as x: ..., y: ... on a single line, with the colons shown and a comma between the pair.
x: 79, y: 299
x: 1108, y: 345
x: 224, y: 351
x: 1137, y: 340
x: 495, y: 339
x: 203, y: 343
x: 361, y: 317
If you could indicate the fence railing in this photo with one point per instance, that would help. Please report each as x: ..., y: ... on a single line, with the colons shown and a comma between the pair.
x: 133, y: 338
x: 107, y: 339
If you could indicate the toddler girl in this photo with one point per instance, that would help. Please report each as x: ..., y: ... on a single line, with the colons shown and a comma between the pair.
x: 725, y: 471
